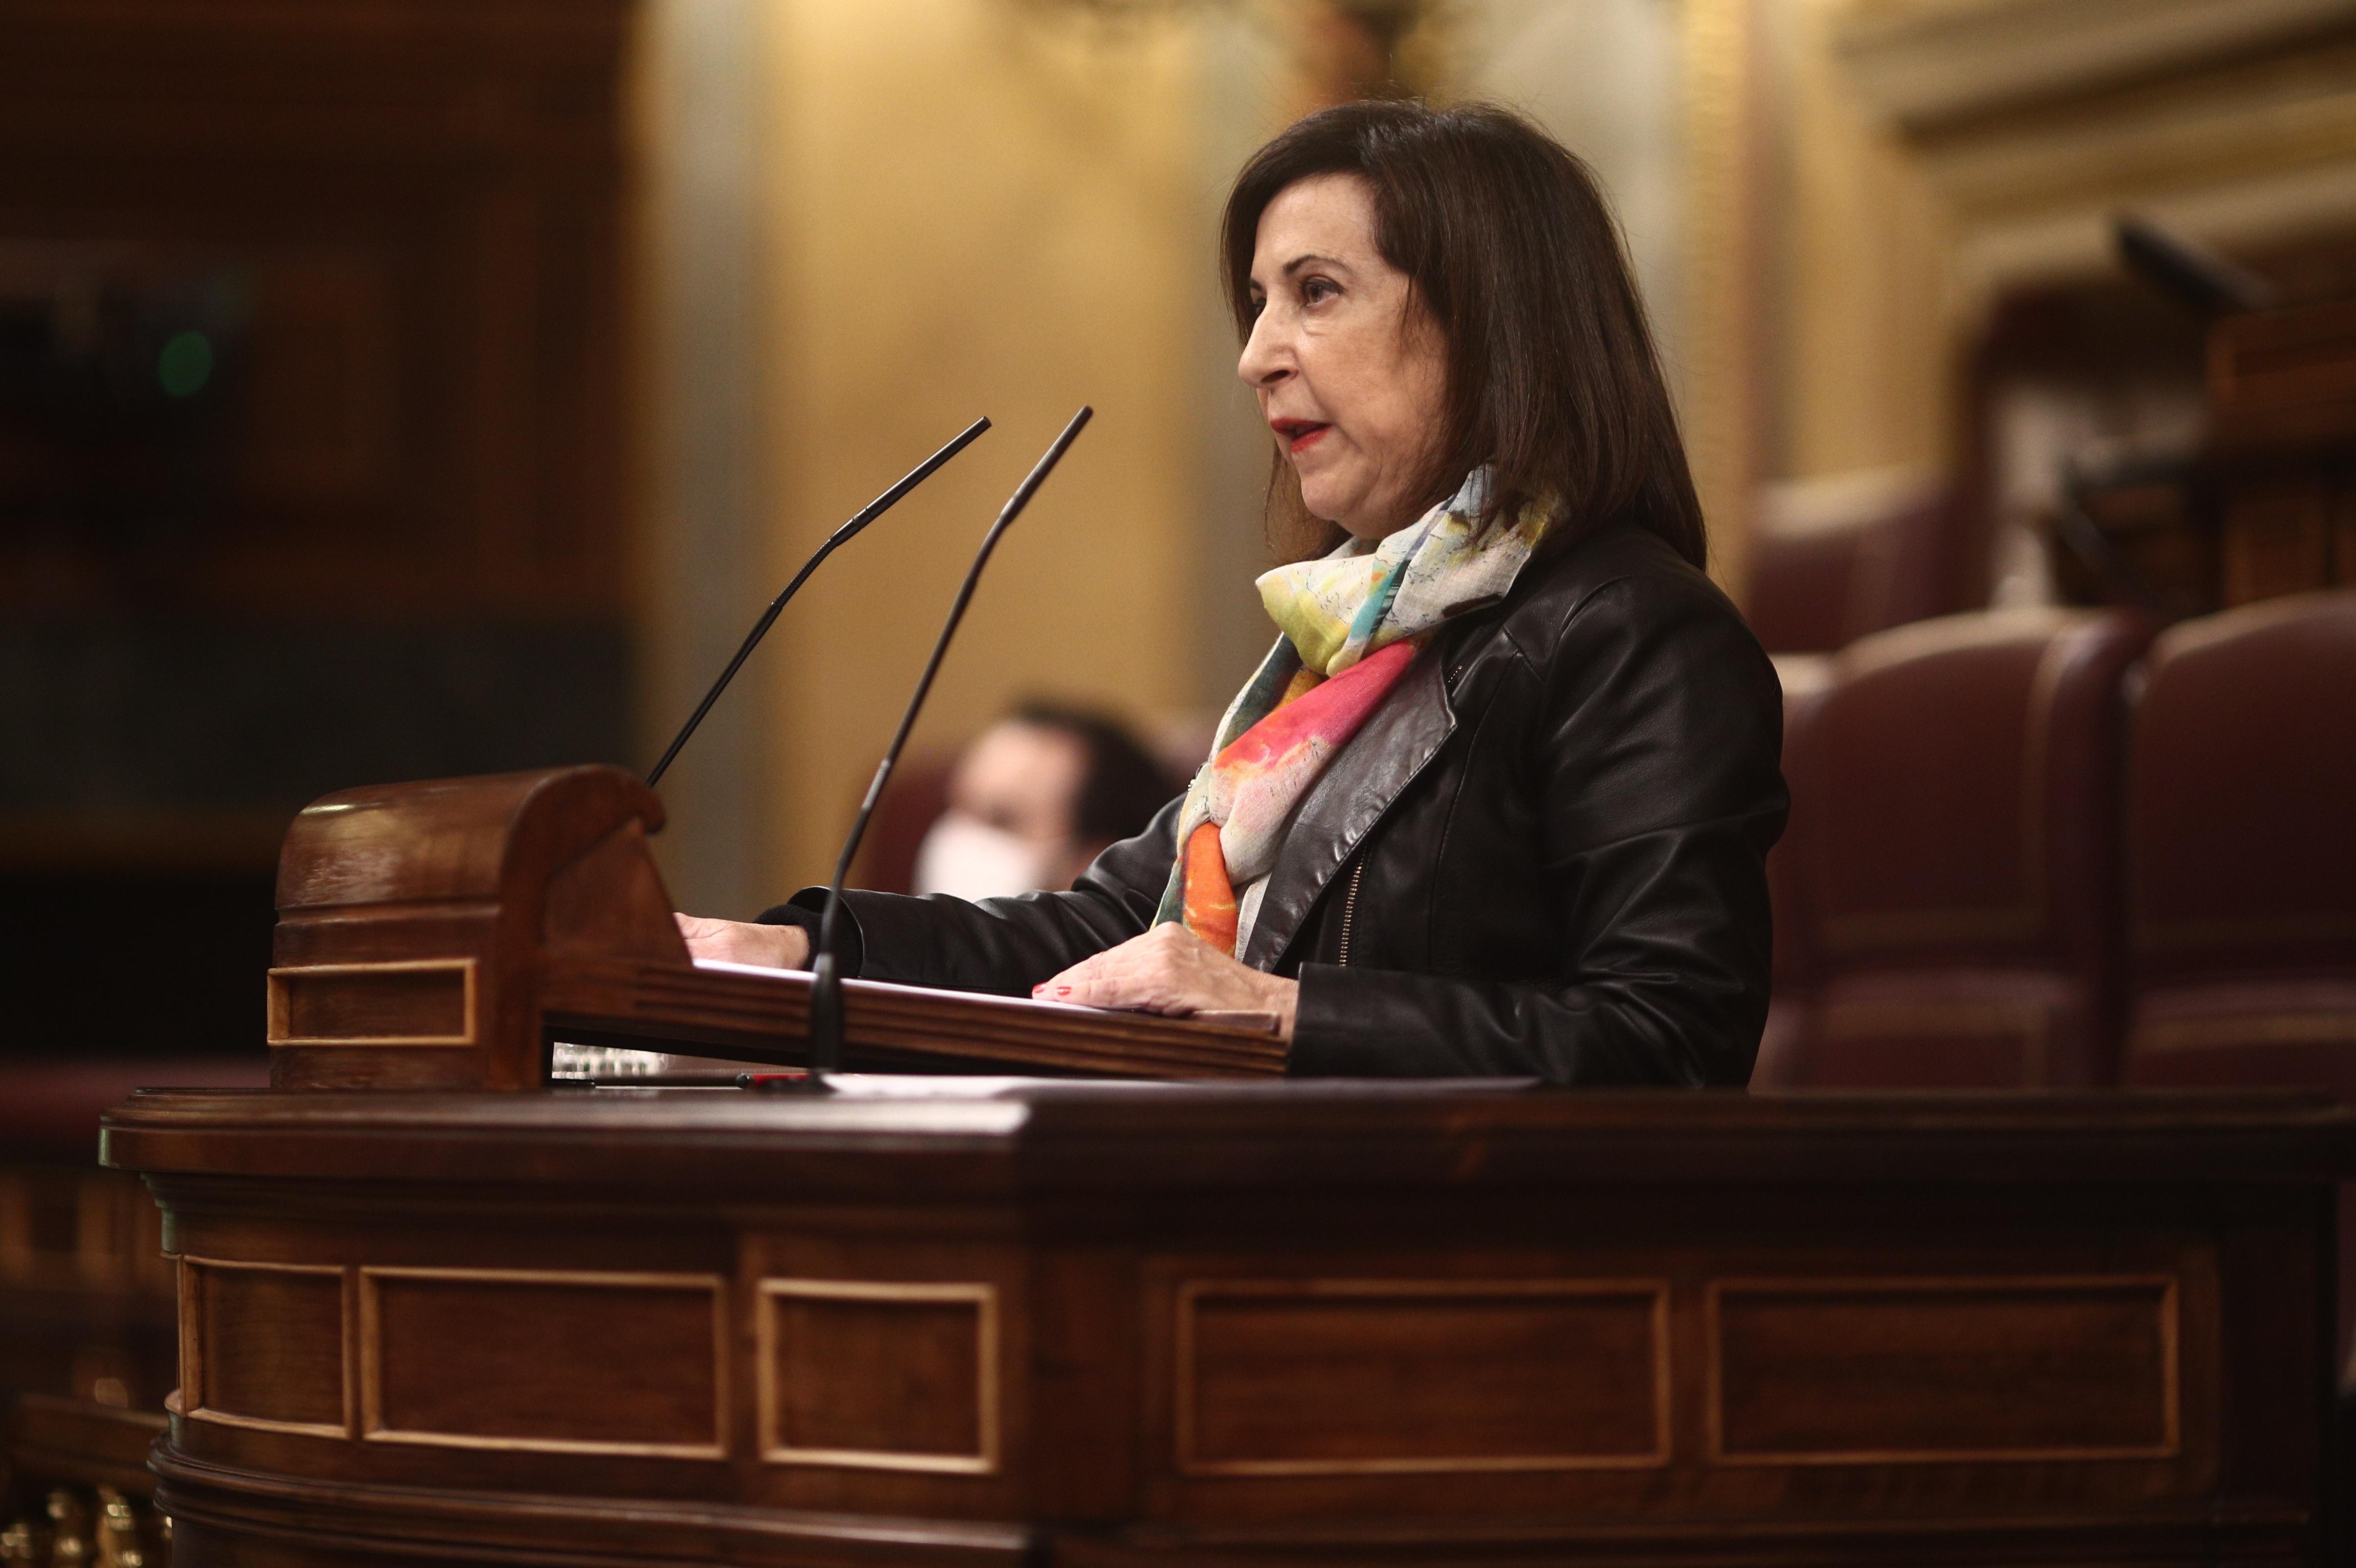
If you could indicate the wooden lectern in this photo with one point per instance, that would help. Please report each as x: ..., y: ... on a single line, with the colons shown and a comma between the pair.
x: 442, y: 935
x: 432, y: 1310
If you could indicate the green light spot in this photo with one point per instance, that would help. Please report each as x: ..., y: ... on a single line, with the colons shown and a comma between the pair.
x: 185, y: 364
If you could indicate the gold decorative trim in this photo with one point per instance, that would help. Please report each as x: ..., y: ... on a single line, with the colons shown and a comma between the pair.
x: 371, y: 1361
x: 2170, y: 1355
x: 277, y: 1005
x: 184, y: 1325
x: 1192, y: 1291
x: 988, y: 1381
x: 191, y: 1391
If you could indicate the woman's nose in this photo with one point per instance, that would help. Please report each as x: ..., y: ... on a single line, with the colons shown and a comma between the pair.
x: 1266, y: 357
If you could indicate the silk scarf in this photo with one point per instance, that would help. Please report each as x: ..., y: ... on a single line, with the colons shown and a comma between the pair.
x: 1351, y: 624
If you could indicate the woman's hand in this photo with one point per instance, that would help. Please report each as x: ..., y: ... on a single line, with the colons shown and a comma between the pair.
x: 1171, y: 971
x: 741, y: 941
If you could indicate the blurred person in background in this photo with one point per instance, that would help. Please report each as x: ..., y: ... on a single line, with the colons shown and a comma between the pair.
x: 1034, y: 799
x: 1499, y: 800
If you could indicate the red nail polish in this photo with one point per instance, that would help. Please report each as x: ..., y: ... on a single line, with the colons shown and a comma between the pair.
x: 1063, y: 991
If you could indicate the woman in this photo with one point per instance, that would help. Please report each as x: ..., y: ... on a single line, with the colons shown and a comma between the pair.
x: 1498, y: 801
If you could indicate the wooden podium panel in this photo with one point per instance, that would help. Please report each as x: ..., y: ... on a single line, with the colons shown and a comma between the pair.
x: 1284, y: 1323
x: 443, y: 934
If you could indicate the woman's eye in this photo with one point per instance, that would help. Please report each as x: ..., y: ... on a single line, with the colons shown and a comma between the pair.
x: 1315, y: 290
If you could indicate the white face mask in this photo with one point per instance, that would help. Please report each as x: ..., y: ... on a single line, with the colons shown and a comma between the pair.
x: 971, y: 859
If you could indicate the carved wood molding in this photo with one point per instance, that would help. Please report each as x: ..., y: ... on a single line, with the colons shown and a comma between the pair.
x: 1301, y: 1376
x: 901, y: 1434
x: 671, y: 1329
x: 1930, y: 63
x: 2121, y: 1334
x: 2036, y: 121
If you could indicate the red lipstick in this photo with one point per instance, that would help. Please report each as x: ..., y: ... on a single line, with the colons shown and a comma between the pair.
x: 1299, y: 435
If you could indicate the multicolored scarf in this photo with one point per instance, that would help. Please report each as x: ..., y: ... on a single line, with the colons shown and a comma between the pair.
x: 1352, y: 623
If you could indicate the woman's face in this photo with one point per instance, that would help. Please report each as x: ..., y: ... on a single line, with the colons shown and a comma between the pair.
x: 1347, y: 363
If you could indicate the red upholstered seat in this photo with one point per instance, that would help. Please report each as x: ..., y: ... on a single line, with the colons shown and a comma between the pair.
x: 1833, y: 559
x: 912, y: 803
x: 2242, y: 835
x: 2242, y: 856
x: 1959, y: 791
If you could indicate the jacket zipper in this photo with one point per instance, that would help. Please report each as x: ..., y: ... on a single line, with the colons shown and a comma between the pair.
x: 1350, y: 910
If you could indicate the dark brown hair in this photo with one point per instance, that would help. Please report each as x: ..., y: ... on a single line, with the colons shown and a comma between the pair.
x: 1123, y: 786
x: 1507, y: 245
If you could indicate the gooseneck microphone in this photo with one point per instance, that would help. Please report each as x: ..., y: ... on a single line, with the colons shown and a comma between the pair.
x: 826, y: 984
x: 834, y: 541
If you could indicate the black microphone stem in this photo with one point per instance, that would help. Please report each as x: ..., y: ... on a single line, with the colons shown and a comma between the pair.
x: 826, y: 984
x: 839, y: 538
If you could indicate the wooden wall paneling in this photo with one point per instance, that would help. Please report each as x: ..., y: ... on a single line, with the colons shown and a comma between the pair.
x: 1419, y: 1376
x: 422, y: 203
x: 266, y: 1346
x: 936, y: 1411
x: 936, y: 1300
x: 1914, y: 1370
x: 390, y: 540
x: 1863, y: 1328
x: 559, y: 1361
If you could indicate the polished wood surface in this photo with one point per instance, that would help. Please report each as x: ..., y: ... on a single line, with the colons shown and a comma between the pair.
x: 1252, y: 1322
x: 441, y: 935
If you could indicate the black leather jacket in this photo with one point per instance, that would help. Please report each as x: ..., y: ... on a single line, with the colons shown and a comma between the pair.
x: 1543, y: 854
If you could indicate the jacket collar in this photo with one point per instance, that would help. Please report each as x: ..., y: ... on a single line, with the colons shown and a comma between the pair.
x: 1386, y: 755
x: 1381, y: 761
